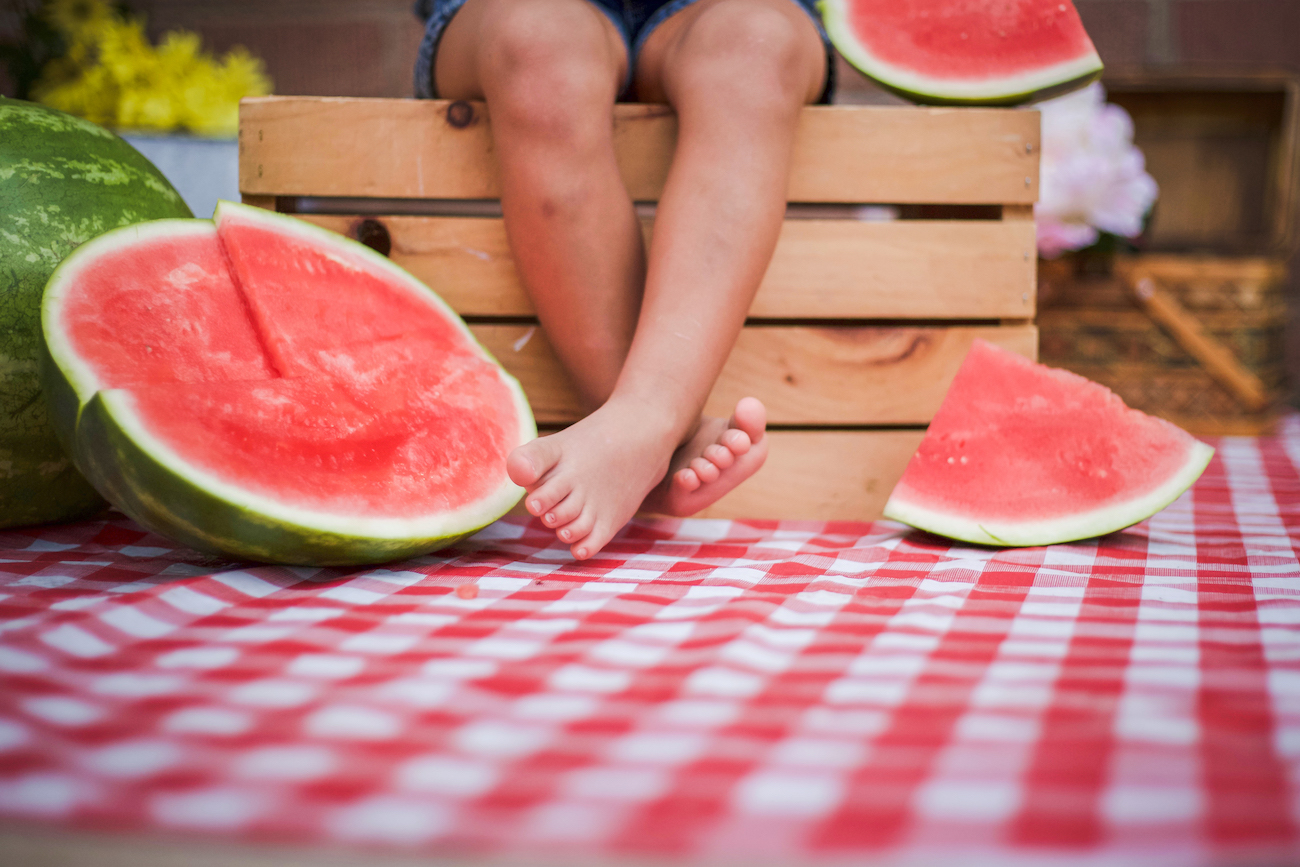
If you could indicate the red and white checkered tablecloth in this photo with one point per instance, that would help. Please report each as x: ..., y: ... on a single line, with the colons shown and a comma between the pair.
x: 703, y: 691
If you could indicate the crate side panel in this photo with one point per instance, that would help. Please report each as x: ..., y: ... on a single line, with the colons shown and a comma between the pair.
x: 823, y: 476
x: 844, y: 375
x: 380, y: 148
x: 840, y: 269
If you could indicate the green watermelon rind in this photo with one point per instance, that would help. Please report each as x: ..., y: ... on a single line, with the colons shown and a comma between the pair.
x: 63, y: 180
x: 161, y: 491
x: 148, y: 481
x: 1041, y: 84
x: 969, y: 527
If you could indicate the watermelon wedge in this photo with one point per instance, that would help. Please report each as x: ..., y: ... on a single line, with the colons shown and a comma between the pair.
x: 1024, y: 454
x: 261, y: 388
x: 965, y: 52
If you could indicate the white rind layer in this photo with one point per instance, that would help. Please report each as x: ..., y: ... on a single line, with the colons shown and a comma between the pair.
x: 1068, y: 528
x: 836, y: 19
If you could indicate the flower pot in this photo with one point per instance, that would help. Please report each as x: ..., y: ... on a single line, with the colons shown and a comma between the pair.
x: 202, y: 170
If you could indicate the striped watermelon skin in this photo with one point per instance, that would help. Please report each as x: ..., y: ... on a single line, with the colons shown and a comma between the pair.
x: 63, y: 181
x: 171, y: 504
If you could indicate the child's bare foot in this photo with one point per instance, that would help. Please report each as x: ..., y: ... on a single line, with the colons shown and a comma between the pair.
x: 588, y: 480
x: 718, y: 457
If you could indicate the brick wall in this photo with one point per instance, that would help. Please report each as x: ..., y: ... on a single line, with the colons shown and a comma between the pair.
x: 311, y: 47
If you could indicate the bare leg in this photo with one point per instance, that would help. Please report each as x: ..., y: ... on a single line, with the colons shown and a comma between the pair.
x: 737, y: 73
x: 550, y: 71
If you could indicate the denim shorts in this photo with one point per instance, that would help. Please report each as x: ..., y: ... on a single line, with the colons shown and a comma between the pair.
x: 635, y: 19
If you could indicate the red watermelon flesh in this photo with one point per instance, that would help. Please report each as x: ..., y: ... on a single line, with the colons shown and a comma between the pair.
x: 266, y: 389
x: 965, y: 51
x: 293, y: 288
x: 1023, y: 454
x: 178, y: 318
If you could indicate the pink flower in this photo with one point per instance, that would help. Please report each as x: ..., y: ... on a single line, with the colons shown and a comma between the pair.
x: 1093, y: 178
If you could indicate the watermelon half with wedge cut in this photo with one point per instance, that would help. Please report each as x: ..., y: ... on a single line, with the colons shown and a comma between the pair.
x: 258, y: 387
x: 1023, y: 454
x: 965, y: 52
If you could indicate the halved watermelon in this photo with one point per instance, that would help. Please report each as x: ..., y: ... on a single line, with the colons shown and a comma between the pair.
x: 1024, y: 454
x: 265, y: 389
x: 965, y: 52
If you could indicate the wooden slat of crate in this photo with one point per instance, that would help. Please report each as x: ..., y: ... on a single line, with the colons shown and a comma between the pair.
x: 822, y: 475
x: 400, y: 148
x: 840, y: 375
x: 911, y: 269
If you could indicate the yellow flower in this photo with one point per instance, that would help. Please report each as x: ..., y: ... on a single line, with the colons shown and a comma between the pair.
x: 113, y: 76
x: 125, y: 51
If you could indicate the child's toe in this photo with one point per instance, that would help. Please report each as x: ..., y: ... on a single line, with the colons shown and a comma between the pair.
x: 547, y: 496
x: 578, y: 529
x: 563, y: 512
x: 719, y: 455
x: 705, y: 470
x: 735, y: 441
x: 750, y: 417
x: 685, y: 479
x: 530, y: 462
x: 597, y: 538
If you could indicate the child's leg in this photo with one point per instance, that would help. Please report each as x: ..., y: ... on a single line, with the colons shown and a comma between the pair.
x: 737, y: 72
x: 550, y: 71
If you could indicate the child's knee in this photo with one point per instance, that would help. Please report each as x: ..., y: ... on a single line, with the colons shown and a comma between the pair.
x: 755, y: 52
x: 543, y: 62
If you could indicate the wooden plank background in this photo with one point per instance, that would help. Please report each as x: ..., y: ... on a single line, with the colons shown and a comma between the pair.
x: 822, y: 476
x: 848, y: 269
x: 834, y: 375
x: 381, y: 148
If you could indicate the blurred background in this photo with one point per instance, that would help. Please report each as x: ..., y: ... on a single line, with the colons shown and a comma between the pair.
x: 1211, y: 89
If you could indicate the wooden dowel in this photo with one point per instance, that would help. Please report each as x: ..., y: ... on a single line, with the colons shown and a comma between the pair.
x: 1187, y: 333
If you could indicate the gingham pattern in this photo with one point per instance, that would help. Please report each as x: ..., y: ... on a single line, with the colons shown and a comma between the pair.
x: 738, y: 692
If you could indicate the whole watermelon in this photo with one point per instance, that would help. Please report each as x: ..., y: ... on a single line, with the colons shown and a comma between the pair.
x: 63, y: 181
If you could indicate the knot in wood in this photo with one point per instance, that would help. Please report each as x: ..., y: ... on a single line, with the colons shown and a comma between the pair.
x: 460, y: 114
x: 374, y: 235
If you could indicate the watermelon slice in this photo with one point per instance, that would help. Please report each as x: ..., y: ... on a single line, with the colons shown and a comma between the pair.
x: 1023, y: 454
x: 268, y: 390
x: 965, y: 52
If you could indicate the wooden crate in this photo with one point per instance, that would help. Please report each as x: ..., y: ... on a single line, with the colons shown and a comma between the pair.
x: 857, y: 328
x: 1225, y: 150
